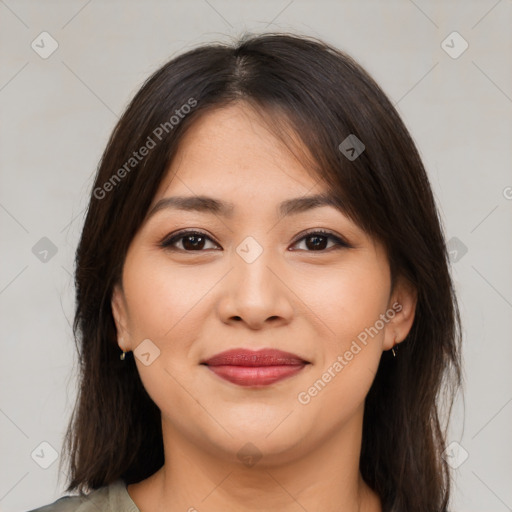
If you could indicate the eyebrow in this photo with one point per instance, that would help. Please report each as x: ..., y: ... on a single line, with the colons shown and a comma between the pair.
x: 206, y: 204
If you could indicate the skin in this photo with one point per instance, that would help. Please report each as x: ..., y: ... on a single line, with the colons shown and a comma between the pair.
x: 314, y: 303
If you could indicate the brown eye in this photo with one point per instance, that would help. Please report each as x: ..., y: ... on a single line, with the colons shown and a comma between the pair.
x: 190, y: 241
x: 195, y: 241
x: 317, y: 241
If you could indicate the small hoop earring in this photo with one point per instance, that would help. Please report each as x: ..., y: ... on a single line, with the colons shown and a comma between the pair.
x: 394, y: 349
x: 122, y: 356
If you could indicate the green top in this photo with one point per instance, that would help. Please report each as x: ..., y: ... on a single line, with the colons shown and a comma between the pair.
x: 109, y: 498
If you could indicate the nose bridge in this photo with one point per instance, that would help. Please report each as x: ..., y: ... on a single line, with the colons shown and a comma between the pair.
x: 255, y: 292
x: 251, y: 261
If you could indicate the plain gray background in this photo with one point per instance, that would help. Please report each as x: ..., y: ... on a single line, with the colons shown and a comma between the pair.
x: 57, y: 113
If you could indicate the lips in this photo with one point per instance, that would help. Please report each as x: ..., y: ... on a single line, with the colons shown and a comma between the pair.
x: 255, y: 368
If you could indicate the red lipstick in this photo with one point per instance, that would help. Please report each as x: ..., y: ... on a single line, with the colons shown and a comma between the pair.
x: 255, y: 368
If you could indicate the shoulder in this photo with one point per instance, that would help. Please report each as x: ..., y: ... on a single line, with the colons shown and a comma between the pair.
x: 64, y: 504
x: 110, y: 498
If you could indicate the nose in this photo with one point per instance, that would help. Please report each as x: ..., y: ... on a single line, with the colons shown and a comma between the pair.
x: 256, y: 293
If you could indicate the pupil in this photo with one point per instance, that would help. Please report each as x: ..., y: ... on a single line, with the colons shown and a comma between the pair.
x: 316, y: 244
x: 190, y: 245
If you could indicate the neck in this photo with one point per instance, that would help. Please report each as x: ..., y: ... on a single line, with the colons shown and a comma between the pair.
x: 324, y: 477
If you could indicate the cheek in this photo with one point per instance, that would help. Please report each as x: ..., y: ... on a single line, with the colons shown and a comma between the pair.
x: 165, y: 306
x: 347, y: 300
x: 350, y: 307
x: 365, y: 299
x: 162, y: 299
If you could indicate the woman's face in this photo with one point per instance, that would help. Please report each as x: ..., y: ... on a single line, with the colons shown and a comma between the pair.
x: 253, y: 280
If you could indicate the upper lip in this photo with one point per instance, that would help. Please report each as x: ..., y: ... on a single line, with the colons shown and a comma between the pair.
x: 245, y: 357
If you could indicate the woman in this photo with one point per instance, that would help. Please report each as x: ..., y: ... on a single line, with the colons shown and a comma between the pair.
x: 260, y: 239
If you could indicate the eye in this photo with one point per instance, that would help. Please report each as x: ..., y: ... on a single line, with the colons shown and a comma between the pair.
x: 190, y: 240
x: 315, y: 241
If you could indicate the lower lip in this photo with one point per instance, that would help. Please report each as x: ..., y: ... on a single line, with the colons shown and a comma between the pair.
x: 255, y: 375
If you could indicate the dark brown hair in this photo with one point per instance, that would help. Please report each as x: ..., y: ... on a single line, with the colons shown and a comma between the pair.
x: 322, y: 95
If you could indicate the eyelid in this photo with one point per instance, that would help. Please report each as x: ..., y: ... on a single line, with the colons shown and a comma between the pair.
x: 340, y: 242
x: 166, y: 242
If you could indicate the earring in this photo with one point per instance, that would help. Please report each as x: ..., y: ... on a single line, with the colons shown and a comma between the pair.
x: 394, y: 349
x: 123, y: 355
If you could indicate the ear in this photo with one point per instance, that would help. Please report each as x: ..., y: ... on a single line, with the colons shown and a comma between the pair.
x: 401, y: 310
x: 120, y: 314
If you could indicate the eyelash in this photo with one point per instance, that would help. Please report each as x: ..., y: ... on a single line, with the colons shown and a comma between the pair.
x: 169, y: 241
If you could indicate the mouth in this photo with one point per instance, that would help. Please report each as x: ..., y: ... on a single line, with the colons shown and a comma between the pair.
x: 255, y: 368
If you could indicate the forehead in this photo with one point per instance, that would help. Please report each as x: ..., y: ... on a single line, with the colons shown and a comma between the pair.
x: 233, y: 149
